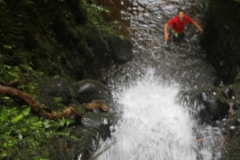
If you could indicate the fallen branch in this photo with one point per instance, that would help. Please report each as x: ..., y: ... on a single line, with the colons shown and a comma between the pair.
x: 35, y: 106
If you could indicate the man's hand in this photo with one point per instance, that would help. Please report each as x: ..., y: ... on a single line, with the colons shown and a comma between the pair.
x: 198, y: 27
x: 166, y: 37
x: 200, y: 30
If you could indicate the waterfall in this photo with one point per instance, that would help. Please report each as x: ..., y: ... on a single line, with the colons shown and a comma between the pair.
x: 154, y: 125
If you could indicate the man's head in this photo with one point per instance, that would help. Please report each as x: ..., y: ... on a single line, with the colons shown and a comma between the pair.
x: 181, y: 14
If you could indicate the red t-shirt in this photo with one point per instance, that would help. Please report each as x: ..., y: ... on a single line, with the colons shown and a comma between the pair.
x: 177, y: 25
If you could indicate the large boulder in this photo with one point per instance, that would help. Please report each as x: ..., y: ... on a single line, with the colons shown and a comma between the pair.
x: 101, y: 125
x: 89, y: 90
x: 98, y: 120
x: 214, y: 109
x: 120, y: 49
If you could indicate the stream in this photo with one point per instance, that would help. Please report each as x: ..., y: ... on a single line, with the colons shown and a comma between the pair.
x: 155, y: 124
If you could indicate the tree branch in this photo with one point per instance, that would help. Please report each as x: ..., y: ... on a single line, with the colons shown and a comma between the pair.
x: 35, y: 106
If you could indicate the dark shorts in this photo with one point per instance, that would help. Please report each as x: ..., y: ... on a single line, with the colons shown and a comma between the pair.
x: 177, y: 36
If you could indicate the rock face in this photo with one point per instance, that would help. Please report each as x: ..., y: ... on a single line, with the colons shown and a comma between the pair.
x: 221, y: 38
x: 98, y: 124
x: 120, y: 50
x: 213, y: 110
x: 89, y: 90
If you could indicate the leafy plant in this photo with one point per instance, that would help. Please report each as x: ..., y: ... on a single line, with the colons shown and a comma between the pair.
x: 94, y: 12
x: 9, y: 73
x: 23, y: 133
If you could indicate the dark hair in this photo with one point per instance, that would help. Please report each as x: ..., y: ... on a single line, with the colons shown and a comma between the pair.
x: 180, y: 10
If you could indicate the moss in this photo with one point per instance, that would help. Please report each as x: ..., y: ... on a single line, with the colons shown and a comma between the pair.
x: 49, y: 38
x: 55, y: 37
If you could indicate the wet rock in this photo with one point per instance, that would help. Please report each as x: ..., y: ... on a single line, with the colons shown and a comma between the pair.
x: 235, y: 106
x: 213, y: 110
x: 120, y: 50
x: 84, y: 155
x: 50, y: 89
x: 89, y: 90
x: 228, y: 93
x: 237, y: 79
x: 221, y: 38
x: 217, y: 82
x: 99, y: 124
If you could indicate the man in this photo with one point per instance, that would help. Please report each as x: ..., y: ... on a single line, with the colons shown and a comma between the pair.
x: 177, y: 24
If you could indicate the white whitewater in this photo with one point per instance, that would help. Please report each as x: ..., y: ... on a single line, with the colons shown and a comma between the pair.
x: 154, y: 126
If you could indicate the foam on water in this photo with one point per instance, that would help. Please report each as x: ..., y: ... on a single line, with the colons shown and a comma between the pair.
x: 154, y: 123
x: 154, y: 126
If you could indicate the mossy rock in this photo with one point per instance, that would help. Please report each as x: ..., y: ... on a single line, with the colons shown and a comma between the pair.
x: 120, y: 49
x: 89, y: 90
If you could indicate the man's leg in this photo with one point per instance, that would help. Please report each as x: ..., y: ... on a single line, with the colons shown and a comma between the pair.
x: 181, y: 35
x: 173, y: 35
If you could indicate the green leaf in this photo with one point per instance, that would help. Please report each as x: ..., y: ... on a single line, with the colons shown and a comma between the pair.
x: 3, y: 114
x: 7, y: 46
x: 26, y: 111
x: 16, y: 119
x: 61, y: 122
x: 68, y: 121
x: 14, y: 74
x: 37, y: 124
x: 5, y: 98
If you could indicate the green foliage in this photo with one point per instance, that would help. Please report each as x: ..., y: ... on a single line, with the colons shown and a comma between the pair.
x: 45, y: 38
x: 24, y: 134
x: 58, y: 101
x: 22, y: 73
x: 7, y: 46
x: 52, y: 36
x: 9, y: 73
x: 94, y: 13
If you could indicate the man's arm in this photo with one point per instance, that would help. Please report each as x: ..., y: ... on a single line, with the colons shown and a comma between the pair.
x: 197, y: 26
x: 166, y: 37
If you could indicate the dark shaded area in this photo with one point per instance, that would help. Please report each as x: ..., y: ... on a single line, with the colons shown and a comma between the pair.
x: 214, y: 109
x: 53, y: 43
x: 55, y: 37
x: 222, y: 41
x: 222, y: 38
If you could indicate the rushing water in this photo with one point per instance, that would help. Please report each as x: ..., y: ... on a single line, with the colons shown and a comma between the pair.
x: 154, y: 123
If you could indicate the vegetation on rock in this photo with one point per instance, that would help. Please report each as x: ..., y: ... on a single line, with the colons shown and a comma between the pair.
x: 47, y: 39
